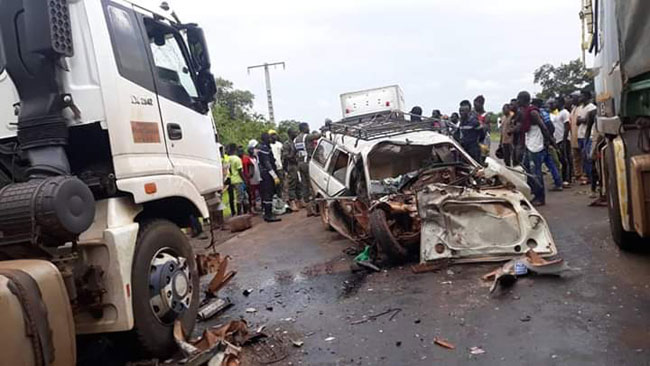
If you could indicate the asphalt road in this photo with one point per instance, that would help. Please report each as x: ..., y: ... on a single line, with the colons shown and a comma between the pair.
x: 304, y: 290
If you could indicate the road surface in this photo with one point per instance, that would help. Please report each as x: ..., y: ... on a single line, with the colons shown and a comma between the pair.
x: 304, y: 290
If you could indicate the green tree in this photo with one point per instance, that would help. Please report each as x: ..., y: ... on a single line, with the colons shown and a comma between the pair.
x: 563, y: 79
x: 233, y: 116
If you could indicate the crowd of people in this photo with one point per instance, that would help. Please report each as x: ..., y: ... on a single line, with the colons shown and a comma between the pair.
x: 557, y: 134
x: 269, y: 172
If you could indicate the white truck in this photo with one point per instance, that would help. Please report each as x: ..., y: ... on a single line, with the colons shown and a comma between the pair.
x: 619, y: 38
x: 107, y: 149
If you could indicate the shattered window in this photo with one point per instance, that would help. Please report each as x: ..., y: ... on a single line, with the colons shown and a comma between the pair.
x: 323, y: 152
x: 340, y: 167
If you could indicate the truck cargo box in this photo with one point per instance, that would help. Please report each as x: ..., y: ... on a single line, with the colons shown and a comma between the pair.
x: 358, y: 103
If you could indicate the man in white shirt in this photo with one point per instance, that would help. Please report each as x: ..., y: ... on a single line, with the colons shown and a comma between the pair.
x: 535, y: 134
x: 276, y: 150
x: 560, y: 117
x: 585, y: 113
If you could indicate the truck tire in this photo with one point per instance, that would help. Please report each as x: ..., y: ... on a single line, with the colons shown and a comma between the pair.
x: 389, y: 250
x: 626, y: 240
x: 163, y: 264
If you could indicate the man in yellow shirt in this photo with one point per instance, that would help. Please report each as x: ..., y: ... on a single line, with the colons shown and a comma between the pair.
x: 237, y: 188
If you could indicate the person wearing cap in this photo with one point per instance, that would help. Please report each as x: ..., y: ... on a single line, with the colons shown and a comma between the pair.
x: 276, y: 149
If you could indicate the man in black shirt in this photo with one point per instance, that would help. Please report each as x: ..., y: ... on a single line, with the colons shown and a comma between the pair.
x: 470, y: 130
x: 269, y: 177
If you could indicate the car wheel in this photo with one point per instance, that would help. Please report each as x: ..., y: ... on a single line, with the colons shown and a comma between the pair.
x: 625, y: 240
x: 165, y: 287
x: 389, y: 250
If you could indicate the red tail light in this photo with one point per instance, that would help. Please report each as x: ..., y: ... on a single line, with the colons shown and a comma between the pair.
x: 387, y: 104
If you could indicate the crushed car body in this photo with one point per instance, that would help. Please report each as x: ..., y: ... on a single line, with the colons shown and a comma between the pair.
x: 410, y: 191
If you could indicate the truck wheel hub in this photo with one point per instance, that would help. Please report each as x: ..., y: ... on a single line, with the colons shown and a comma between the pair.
x: 170, y: 287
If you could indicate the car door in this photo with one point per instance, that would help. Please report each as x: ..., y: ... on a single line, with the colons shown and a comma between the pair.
x: 338, y: 172
x: 189, y: 129
x: 318, y: 166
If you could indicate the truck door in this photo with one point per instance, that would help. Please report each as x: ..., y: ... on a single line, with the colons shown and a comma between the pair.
x: 188, y: 129
x: 318, y: 166
x: 132, y: 114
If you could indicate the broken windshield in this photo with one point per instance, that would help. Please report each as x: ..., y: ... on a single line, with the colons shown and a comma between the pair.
x: 391, y: 166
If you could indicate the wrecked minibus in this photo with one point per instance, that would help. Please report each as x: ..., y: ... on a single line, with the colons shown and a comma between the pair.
x: 410, y: 191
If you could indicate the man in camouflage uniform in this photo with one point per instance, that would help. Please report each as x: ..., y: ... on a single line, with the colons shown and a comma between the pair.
x: 290, y: 165
x: 304, y: 144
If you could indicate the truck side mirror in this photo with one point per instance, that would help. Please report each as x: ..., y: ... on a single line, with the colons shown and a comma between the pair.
x: 198, y: 47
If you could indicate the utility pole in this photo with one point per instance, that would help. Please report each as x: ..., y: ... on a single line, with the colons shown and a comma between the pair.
x: 267, y: 77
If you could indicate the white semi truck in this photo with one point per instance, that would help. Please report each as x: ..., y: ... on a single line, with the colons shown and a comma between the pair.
x: 107, y: 149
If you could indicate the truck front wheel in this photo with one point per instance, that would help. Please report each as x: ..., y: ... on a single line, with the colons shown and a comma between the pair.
x: 624, y: 239
x: 165, y: 286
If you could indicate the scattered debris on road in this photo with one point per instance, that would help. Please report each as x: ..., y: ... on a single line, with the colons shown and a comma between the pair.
x: 240, y: 223
x: 367, y: 318
x: 329, y: 339
x: 507, y: 274
x: 220, y: 345
x: 251, y: 310
x: 217, y: 264
x: 476, y: 350
x: 212, y: 307
x: 297, y: 343
x: 443, y: 343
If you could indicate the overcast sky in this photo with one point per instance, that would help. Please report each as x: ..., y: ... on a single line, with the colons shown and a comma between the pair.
x: 438, y: 51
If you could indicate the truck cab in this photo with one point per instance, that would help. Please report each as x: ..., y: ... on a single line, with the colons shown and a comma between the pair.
x: 106, y: 130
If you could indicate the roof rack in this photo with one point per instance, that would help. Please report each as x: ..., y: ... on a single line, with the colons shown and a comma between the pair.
x: 380, y: 125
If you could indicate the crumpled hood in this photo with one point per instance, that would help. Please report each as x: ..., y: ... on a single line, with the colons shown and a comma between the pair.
x: 467, y: 224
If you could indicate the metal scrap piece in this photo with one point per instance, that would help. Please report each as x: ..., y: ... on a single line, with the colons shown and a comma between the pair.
x: 269, y: 350
x: 443, y: 343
